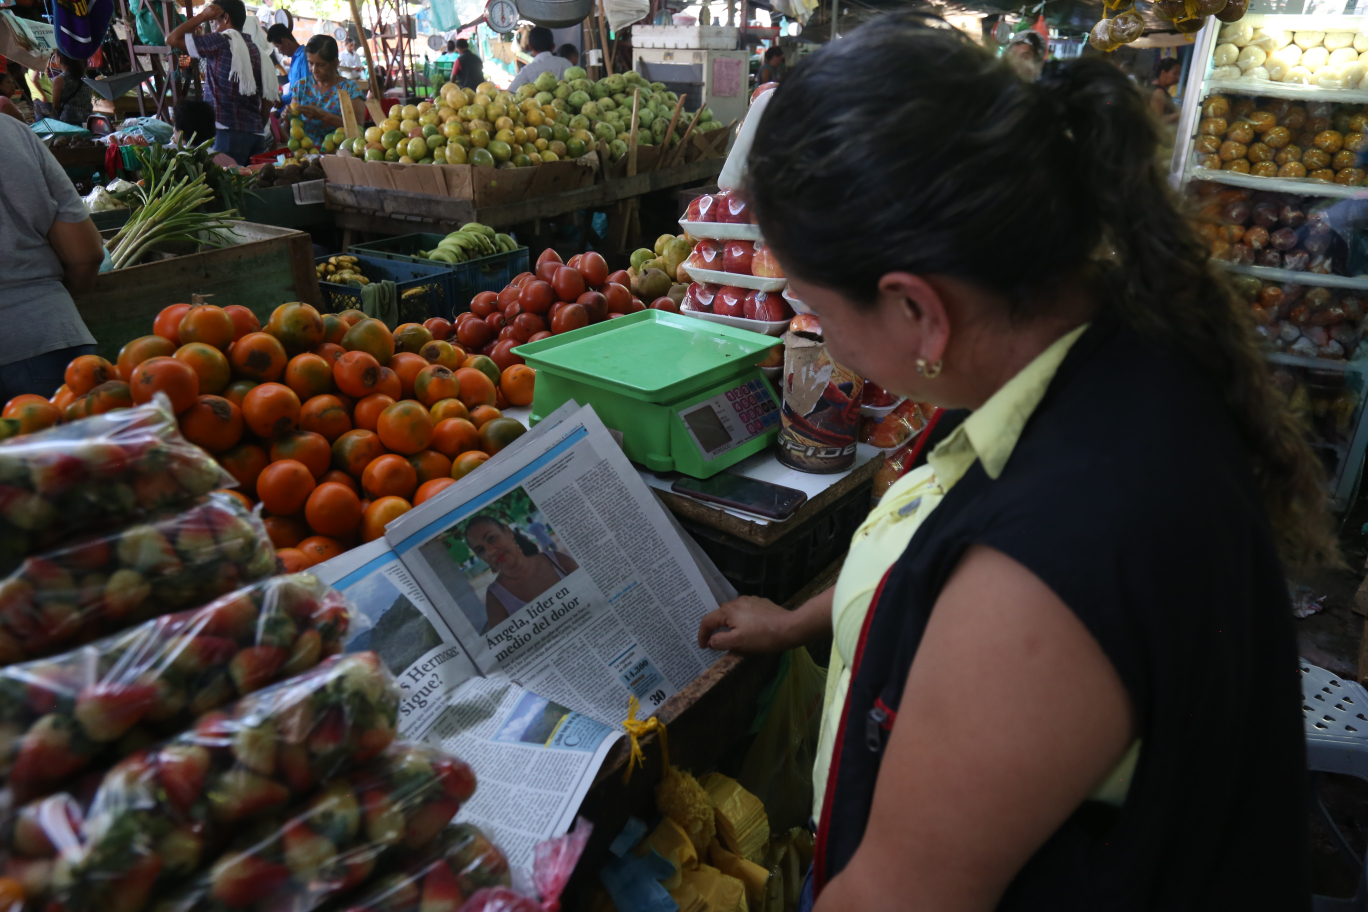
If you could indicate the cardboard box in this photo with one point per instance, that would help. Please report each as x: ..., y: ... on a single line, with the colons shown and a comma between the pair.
x: 482, y: 185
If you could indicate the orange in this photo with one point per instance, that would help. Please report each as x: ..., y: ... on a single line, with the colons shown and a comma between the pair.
x: 405, y: 427
x: 62, y: 398
x: 208, y: 363
x: 245, y: 462
x: 517, y: 382
x: 165, y: 375
x: 342, y: 478
x: 309, y: 375
x: 270, y: 410
x: 325, y: 415
x: 407, y: 365
x: 443, y: 353
x: 435, y: 383
x: 319, y: 548
x: 334, y: 328
x: 167, y: 324
x: 298, y: 326
x: 476, y: 388
x: 258, y: 356
x: 284, y: 486
x: 431, y: 488
x: 212, y: 422
x: 236, y: 495
x: 367, y: 412
x: 244, y: 321
x: 78, y: 409
x: 467, y: 463
x: 208, y: 324
x: 430, y: 464
x: 389, y: 476
x: 292, y: 560
x: 329, y: 351
x: 499, y: 433
x: 371, y: 336
x: 485, y: 365
x: 140, y: 349
x: 355, y: 450
x: 356, y: 373
x: 285, y: 531
x: 351, y: 317
x: 448, y: 408
x: 333, y: 509
x: 34, y: 416
x: 455, y: 436
x: 500, y: 402
x: 379, y: 514
x: 483, y: 414
x: 86, y: 372
x: 389, y: 384
x: 238, y: 390
x: 313, y: 450
x: 108, y: 396
x: 410, y: 337
x: 13, y: 405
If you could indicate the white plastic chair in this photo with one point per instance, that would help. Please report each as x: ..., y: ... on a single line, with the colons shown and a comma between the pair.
x: 1335, y: 711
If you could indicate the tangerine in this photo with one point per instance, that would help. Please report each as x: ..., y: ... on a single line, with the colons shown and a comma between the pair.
x: 430, y: 464
x: 258, y: 356
x: 411, y: 337
x: 309, y: 375
x: 371, y: 336
x: 313, y: 450
x: 208, y: 324
x: 482, y: 414
x: 270, y: 410
x: 340, y: 477
x: 325, y: 415
x: 208, y: 363
x: 329, y: 351
x: 165, y: 375
x: 435, y: 383
x: 142, y: 348
x: 213, y: 422
x: 454, y: 436
x: 356, y: 373
x: 499, y: 433
x: 319, y: 548
x: 292, y: 560
x: 62, y: 398
x: 244, y: 321
x: 108, y: 396
x: 86, y: 372
x: 333, y: 509
x: 284, y: 486
x: 236, y: 391
x: 468, y: 462
x: 389, y: 384
x: 485, y: 365
x: 245, y: 462
x: 476, y: 388
x: 285, y: 531
x: 443, y: 353
x: 381, y: 513
x: 368, y: 410
x: 389, y: 476
x: 298, y: 326
x: 12, y: 406
x: 34, y: 416
x: 407, y: 365
x: 334, y: 328
x: 431, y: 488
x: 448, y: 408
x: 405, y: 427
x: 351, y: 317
x: 355, y: 450
x: 168, y: 321
x: 517, y: 383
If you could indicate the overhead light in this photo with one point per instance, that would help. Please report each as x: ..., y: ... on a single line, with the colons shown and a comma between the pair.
x: 794, y: 29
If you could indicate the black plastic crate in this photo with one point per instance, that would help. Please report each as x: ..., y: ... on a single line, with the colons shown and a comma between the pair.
x: 431, y: 288
x: 488, y: 273
x: 779, y: 570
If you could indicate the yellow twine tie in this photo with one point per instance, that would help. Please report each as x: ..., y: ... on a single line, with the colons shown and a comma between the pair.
x: 636, y: 730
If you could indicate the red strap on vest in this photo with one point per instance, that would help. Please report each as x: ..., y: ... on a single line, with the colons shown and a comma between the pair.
x: 921, y: 439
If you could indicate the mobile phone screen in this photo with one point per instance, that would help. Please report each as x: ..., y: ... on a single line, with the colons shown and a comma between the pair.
x: 749, y: 494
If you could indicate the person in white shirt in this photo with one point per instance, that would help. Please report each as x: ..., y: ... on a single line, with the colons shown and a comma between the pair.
x: 349, y: 60
x: 543, y: 43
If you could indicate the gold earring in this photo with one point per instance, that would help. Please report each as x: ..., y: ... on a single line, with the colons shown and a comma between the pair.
x: 929, y: 371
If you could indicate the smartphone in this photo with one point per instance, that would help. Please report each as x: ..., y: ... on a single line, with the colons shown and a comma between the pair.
x: 750, y: 495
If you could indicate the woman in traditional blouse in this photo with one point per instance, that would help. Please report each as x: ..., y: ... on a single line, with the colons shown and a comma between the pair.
x: 319, y: 104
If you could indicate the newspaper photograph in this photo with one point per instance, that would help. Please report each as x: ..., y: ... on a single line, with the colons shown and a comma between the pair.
x: 558, y: 566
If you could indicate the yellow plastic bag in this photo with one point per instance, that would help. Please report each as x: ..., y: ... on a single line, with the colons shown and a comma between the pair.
x: 778, y: 767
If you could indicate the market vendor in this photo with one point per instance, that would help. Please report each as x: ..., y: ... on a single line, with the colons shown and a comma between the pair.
x: 51, y: 248
x: 72, y: 100
x: 1064, y: 662
x: 232, y: 71
x: 319, y: 103
x: 541, y: 42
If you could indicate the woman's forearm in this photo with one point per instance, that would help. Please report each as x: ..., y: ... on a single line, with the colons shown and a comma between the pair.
x: 811, y: 621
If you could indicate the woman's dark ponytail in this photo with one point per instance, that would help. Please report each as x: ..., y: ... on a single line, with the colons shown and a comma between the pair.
x: 950, y: 164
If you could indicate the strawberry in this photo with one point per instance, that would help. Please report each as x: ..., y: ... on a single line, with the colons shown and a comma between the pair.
x: 233, y: 616
x: 327, y: 735
x: 400, y: 892
x: 59, y: 618
x: 441, y: 892
x: 196, y: 654
x: 276, y: 630
x: 105, y: 459
x: 293, y: 762
x: 332, y: 622
x: 373, y: 740
x: 89, y: 555
x: 153, y: 490
x: 212, y: 693
x: 359, y: 867
x: 125, y: 591
x: 254, y: 746
x: 196, y: 472
x: 29, y: 839
x: 129, y: 893
x: 26, y: 510
x: 10, y: 650
x: 308, y: 649
x: 294, y: 596
x: 171, y: 698
x: 214, y: 729
x: 427, y: 821
x: 51, y: 476
x: 240, y: 879
x: 145, y: 549
x: 181, y: 850
x: 237, y: 539
x: 48, y: 576
x: 106, y: 711
x: 334, y: 811
x: 384, y: 821
x: 255, y: 667
x: 241, y: 794
x: 458, y: 778
x: 306, y: 851
x: 194, y: 537
x: 181, y: 769
x: 45, y: 755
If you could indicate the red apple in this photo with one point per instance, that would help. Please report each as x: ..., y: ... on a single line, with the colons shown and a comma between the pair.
x: 665, y: 303
x: 765, y: 263
x: 618, y: 298
x: 806, y: 324
x: 709, y: 254
x: 536, y: 296
x: 737, y: 256
x: 594, y: 304
x: 594, y: 268
x: 701, y: 209
x: 733, y: 209
x: 769, y: 306
x: 568, y: 283
x: 730, y: 301
x: 700, y: 297
x: 440, y: 327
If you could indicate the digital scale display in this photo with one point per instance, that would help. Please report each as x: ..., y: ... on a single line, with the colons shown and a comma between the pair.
x: 729, y: 419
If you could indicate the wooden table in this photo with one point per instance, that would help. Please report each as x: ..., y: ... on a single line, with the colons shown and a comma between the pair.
x: 393, y: 212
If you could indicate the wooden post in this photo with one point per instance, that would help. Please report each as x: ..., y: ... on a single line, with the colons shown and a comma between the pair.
x: 365, y: 47
x: 688, y: 134
x: 632, y: 141
x: 603, y: 37
x: 674, y: 120
x: 349, y: 124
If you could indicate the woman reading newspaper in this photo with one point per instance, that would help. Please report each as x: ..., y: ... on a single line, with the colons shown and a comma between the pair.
x: 524, y: 570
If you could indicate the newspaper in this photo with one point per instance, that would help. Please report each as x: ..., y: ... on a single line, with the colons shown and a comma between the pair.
x: 520, y: 607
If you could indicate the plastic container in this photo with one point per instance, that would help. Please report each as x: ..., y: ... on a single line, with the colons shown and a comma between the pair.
x: 740, y: 280
x: 490, y: 273
x: 797, y: 305
x: 764, y: 327
x: 711, y: 37
x: 722, y: 231
x: 425, y: 291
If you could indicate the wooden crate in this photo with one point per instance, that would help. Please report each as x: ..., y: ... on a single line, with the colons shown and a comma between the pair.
x: 271, y: 266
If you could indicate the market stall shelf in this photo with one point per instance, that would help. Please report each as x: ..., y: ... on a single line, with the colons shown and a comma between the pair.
x: 1290, y: 90
x: 1302, y: 186
x: 1269, y: 274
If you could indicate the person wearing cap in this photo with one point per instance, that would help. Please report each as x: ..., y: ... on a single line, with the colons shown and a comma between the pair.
x: 541, y: 42
x: 1026, y: 54
x: 232, y: 76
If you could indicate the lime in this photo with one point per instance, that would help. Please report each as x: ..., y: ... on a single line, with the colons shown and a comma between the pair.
x: 549, y: 156
x: 455, y: 154
x: 293, y: 145
x: 375, y: 155
x: 439, y: 156
x: 430, y: 130
x: 391, y: 155
x: 501, y: 151
x: 297, y: 132
x: 479, y: 138
x: 575, y: 148
x: 435, y: 141
x: 417, y: 148
x: 545, y: 132
x: 521, y: 160
x: 482, y: 157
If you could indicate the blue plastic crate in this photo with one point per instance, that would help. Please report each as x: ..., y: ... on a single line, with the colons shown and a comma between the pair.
x: 425, y: 290
x: 490, y: 273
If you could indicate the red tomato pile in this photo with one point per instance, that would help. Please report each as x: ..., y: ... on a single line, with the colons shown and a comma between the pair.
x: 333, y: 421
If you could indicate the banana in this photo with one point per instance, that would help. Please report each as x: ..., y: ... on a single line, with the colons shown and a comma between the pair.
x: 506, y: 243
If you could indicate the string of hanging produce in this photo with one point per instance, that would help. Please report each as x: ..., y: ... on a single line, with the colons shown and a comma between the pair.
x: 1187, y: 17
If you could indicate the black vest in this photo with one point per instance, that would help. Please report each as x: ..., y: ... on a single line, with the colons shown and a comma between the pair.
x: 1130, y: 495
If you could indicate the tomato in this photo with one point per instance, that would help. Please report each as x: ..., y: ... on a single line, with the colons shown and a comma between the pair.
x: 520, y: 278
x: 570, y: 317
x: 536, y: 296
x: 568, y: 283
x: 621, y: 277
x: 475, y: 333
x: 546, y: 335
x: 526, y: 326
x: 594, y: 304
x: 665, y: 303
x: 617, y: 298
x: 503, y: 352
x: 484, y: 303
x: 440, y: 327
x: 508, y: 297
x: 549, y: 255
x: 594, y: 268
x: 495, y: 321
x: 547, y: 271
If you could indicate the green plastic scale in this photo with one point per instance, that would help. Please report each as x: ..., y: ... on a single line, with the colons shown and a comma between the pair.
x: 684, y: 393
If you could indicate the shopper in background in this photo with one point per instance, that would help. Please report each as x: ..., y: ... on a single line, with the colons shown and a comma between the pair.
x: 72, y: 100
x: 283, y: 40
x: 468, y: 70
x: 1026, y: 54
x: 349, y: 62
x: 194, y: 122
x: 540, y: 42
x: 1167, y: 72
x: 51, y: 248
x: 319, y: 104
x: 568, y: 52
x: 8, y: 89
x: 232, y: 71
x: 773, y: 68
x: 1022, y: 626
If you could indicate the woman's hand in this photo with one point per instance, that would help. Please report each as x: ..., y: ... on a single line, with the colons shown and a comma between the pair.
x: 311, y: 112
x: 747, y: 624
